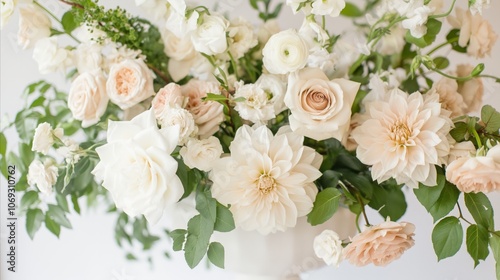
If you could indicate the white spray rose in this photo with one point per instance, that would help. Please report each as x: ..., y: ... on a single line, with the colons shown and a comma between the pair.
x: 136, y: 166
x: 43, y: 175
x: 129, y: 83
x: 327, y: 7
x: 88, y: 57
x: 285, y: 52
x: 87, y: 97
x: 241, y: 37
x: 328, y: 247
x: 50, y: 57
x: 210, y: 36
x: 34, y: 24
x: 202, y: 153
x: 176, y: 116
x: 256, y: 106
x: 8, y: 7
x: 44, y: 137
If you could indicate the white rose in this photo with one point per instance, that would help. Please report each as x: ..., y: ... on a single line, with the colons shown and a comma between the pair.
x: 129, y: 83
x: 136, y: 166
x: 114, y: 53
x: 176, y: 116
x: 87, y: 97
x: 450, y: 99
x: 328, y: 247
x: 70, y: 151
x: 285, y: 52
x: 50, y: 57
x: 156, y: 8
x: 241, y: 37
x: 34, y: 24
x: 210, y: 36
x: 44, y: 137
x: 8, y: 7
x: 327, y: 7
x: 472, y: 90
x: 320, y: 108
x: 202, y: 153
x: 43, y: 175
x: 88, y: 57
x: 167, y: 97
x: 178, y: 48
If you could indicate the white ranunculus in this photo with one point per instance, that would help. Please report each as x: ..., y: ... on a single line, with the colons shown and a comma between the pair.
x: 8, y: 7
x: 285, y: 52
x: 241, y: 37
x: 43, y: 175
x: 267, y: 180
x: 417, y: 14
x: 328, y: 247
x: 44, y: 137
x: 210, y: 36
x: 136, y: 166
x: 478, y: 5
x: 50, y: 57
x: 34, y: 24
x: 129, y: 83
x: 202, y: 153
x: 177, y: 116
x: 88, y: 57
x: 327, y: 7
x: 320, y: 108
x: 87, y: 97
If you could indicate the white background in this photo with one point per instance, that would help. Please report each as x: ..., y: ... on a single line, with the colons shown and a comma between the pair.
x: 89, y: 252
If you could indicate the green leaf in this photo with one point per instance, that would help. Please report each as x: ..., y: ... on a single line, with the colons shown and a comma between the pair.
x: 330, y: 179
x: 389, y: 201
x: 206, y: 205
x: 178, y: 238
x: 351, y: 10
x: 130, y: 257
x: 76, y: 205
x: 34, y: 218
x: 459, y: 131
x: 52, y: 226
x: 441, y: 62
x: 253, y: 3
x: 453, y: 36
x: 188, y: 177
x: 225, y: 220
x: 325, y: 205
x: 29, y: 198
x: 480, y: 208
x: 69, y: 22
x: 433, y: 28
x: 57, y: 214
x: 477, y: 243
x: 495, y: 250
x: 199, y: 231
x: 490, y: 118
x: 62, y: 202
x: 3, y: 144
x: 216, y: 254
x: 438, y: 200
x: 447, y: 237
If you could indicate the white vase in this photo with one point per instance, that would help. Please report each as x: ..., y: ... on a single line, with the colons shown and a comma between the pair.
x: 282, y: 255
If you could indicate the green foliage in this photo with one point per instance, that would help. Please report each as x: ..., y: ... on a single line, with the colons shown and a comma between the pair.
x: 477, y: 243
x: 198, y: 237
x: 34, y: 219
x: 178, y: 237
x: 480, y: 208
x: 351, y: 10
x: 495, y: 250
x: 265, y: 11
x: 52, y: 225
x: 216, y: 254
x: 224, y: 221
x: 441, y: 62
x: 433, y: 28
x: 452, y: 37
x: 325, y: 205
x: 447, y: 237
x: 490, y: 118
x: 389, y: 200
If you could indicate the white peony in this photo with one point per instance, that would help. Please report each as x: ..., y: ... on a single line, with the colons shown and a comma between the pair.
x: 241, y: 37
x: 210, y: 36
x: 43, y: 175
x: 327, y: 7
x: 320, y: 108
x: 285, y: 52
x: 403, y: 137
x: 34, y: 24
x: 177, y: 116
x: 267, y: 180
x: 136, y: 167
x: 8, y: 7
x: 88, y: 57
x: 328, y: 246
x: 202, y: 153
x: 50, y: 57
x: 87, y: 98
x: 44, y: 137
x: 129, y: 83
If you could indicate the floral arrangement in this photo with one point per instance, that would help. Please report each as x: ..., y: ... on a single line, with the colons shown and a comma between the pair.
x: 258, y: 126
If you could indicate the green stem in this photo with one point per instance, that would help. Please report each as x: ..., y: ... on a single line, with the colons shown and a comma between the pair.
x: 497, y: 79
x: 363, y: 210
x: 57, y: 19
x: 460, y: 215
x: 442, y: 45
x: 445, y: 14
x: 460, y: 79
x: 323, y: 22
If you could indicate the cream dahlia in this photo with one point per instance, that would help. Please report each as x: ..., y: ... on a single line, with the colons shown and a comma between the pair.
x: 267, y: 180
x: 402, y: 138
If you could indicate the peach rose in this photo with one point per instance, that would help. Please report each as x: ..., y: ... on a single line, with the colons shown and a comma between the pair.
x: 380, y: 244
x: 476, y: 174
x: 87, y: 97
x: 129, y: 83
x: 168, y: 96
x: 207, y: 114
x: 471, y: 90
x: 450, y: 99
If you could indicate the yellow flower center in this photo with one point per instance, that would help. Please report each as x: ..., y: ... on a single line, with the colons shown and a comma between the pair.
x: 400, y: 133
x: 266, y: 184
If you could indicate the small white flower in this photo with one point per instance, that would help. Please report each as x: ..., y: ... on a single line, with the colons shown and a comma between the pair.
x: 50, y: 57
x: 314, y: 35
x: 180, y: 25
x: 328, y: 247
x: 176, y: 116
x: 8, y: 7
x: 70, y: 151
x: 295, y: 4
x: 478, y: 5
x: 256, y: 106
x: 34, y: 24
x: 202, y: 153
x: 210, y: 36
x: 88, y: 57
x: 322, y: 59
x: 417, y: 14
x: 241, y: 37
x: 44, y: 137
x: 285, y: 52
x: 327, y: 7
x: 43, y: 175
